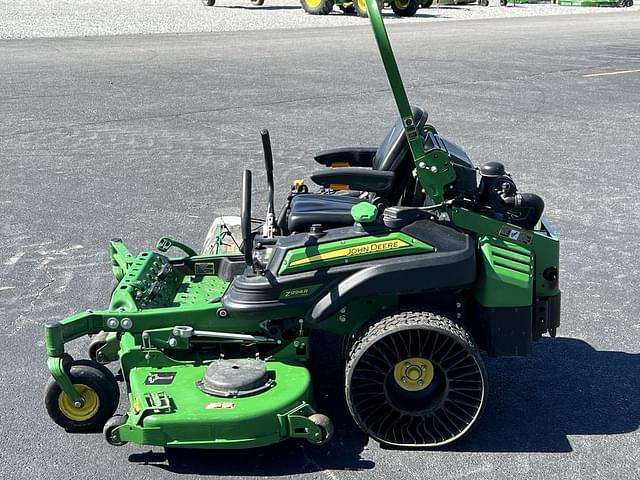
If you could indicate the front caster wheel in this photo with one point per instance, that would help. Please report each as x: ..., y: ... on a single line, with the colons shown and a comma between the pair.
x: 257, y: 2
x: 325, y: 425
x: 415, y: 379
x: 96, y: 388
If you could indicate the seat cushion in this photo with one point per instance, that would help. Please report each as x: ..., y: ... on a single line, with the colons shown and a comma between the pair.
x: 330, y: 211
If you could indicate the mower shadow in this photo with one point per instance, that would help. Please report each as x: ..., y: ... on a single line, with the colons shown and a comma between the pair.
x: 565, y: 387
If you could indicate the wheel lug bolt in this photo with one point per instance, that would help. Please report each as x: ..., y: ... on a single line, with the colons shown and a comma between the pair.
x: 404, y: 379
x: 420, y: 382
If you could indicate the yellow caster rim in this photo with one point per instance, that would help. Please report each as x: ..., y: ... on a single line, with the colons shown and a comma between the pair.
x: 86, y: 411
x: 362, y: 5
x: 413, y: 374
x: 313, y: 3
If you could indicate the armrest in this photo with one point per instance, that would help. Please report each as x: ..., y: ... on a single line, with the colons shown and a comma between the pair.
x: 352, y: 156
x: 377, y: 181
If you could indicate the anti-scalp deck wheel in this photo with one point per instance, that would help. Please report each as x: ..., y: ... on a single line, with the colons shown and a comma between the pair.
x: 415, y: 379
x: 111, y: 424
x: 100, y: 399
x: 326, y: 427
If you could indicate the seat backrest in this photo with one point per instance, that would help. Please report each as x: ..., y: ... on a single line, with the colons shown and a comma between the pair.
x: 394, y: 148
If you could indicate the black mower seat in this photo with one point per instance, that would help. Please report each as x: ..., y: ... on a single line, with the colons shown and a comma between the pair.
x: 378, y: 177
x: 380, y: 164
x: 330, y: 211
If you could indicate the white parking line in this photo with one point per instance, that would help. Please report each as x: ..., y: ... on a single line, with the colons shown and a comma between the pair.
x: 606, y: 74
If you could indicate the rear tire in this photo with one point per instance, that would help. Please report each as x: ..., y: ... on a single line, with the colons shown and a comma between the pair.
x: 317, y: 7
x: 208, y: 3
x: 405, y: 8
x: 361, y: 7
x: 415, y: 379
x: 426, y: 4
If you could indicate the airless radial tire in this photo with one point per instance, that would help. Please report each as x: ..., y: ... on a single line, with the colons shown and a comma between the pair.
x: 415, y: 379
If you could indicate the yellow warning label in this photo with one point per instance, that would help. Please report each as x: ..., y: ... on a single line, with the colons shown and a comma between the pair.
x: 354, y: 251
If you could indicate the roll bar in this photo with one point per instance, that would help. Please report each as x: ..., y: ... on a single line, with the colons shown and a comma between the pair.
x: 434, y: 171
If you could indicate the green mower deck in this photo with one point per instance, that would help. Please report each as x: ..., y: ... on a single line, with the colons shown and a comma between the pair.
x: 402, y: 253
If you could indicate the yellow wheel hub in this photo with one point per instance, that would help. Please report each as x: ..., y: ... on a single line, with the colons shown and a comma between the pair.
x: 313, y: 3
x: 86, y: 411
x: 363, y: 5
x: 413, y: 374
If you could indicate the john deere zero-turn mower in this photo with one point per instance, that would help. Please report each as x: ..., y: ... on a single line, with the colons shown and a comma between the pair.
x: 420, y: 260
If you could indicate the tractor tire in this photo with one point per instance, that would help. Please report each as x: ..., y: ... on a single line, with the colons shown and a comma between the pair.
x: 503, y: 3
x: 361, y: 7
x: 96, y: 386
x: 317, y: 7
x: 415, y: 379
x: 257, y: 3
x: 426, y: 4
x: 208, y: 3
x: 405, y: 8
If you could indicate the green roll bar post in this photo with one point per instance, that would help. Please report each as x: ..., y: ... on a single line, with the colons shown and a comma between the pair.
x: 432, y: 168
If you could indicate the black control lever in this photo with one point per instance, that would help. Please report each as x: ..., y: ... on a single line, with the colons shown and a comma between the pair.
x: 245, y: 218
x: 268, y: 164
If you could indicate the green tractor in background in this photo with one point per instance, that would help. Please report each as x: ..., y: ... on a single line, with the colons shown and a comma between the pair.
x: 402, y: 8
x: 417, y: 259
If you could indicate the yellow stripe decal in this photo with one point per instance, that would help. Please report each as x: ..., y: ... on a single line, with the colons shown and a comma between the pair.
x: 354, y: 251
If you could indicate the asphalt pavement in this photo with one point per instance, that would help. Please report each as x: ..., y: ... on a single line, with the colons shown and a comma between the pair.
x: 141, y: 136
